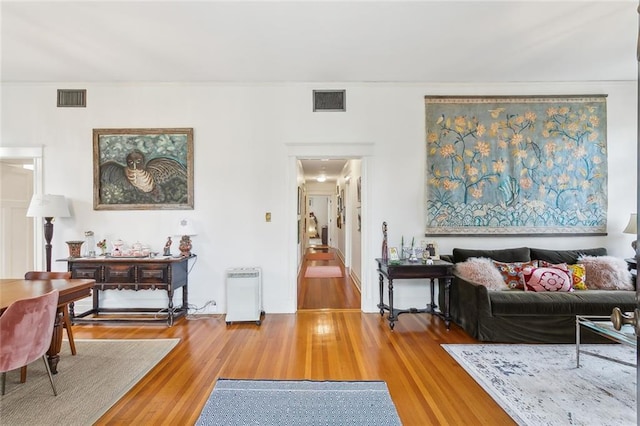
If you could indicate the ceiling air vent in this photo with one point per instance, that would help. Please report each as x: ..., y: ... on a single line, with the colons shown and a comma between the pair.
x: 329, y: 100
x: 72, y: 98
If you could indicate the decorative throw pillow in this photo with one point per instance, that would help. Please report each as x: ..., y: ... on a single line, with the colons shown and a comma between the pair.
x: 481, y: 271
x: 606, y: 273
x: 547, y: 279
x: 577, y: 272
x: 578, y: 276
x: 512, y: 272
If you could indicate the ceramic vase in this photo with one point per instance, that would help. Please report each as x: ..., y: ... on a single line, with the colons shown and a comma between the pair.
x: 74, y: 248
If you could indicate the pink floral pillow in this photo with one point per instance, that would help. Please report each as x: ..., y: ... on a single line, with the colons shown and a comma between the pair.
x: 512, y: 272
x: 577, y: 271
x: 547, y: 279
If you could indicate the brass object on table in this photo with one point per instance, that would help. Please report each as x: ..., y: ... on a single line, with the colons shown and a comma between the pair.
x: 619, y: 318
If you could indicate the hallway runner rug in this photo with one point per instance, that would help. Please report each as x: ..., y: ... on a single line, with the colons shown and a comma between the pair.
x: 320, y: 256
x: 323, y: 272
x: 298, y: 402
x: 88, y: 384
x: 541, y: 385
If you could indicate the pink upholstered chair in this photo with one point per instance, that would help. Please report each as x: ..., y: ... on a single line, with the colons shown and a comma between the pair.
x: 66, y: 320
x: 26, y: 328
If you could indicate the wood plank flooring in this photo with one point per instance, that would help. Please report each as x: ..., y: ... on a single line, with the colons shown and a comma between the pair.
x: 427, y: 386
x: 326, y: 293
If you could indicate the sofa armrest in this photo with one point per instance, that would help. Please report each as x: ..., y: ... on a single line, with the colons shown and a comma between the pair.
x: 469, y: 302
x: 447, y: 257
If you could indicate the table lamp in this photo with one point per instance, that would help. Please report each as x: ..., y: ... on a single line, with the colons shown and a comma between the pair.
x: 632, y: 228
x: 185, y: 231
x: 48, y: 206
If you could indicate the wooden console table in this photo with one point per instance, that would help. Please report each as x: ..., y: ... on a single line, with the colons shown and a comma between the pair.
x: 412, y: 270
x: 113, y: 273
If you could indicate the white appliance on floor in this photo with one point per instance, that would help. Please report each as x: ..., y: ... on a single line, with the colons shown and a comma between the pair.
x: 244, y: 295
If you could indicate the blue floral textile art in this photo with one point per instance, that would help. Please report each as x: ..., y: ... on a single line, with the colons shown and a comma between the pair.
x: 516, y: 165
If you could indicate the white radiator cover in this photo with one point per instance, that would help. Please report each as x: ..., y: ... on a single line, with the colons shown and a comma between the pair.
x: 244, y: 295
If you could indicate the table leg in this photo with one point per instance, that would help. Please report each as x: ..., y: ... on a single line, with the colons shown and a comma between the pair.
x: 185, y: 298
x: 53, y: 354
x: 392, y: 317
x: 577, y: 343
x: 447, y: 302
x: 96, y: 300
x: 170, y: 308
x: 381, y: 284
x: 433, y: 305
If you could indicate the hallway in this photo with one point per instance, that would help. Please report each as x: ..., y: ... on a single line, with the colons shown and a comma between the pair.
x: 326, y: 293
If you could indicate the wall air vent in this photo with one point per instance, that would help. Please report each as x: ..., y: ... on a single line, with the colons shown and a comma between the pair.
x: 72, y: 98
x: 329, y: 100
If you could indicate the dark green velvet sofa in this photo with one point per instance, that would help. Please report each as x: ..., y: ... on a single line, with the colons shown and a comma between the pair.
x: 528, y: 316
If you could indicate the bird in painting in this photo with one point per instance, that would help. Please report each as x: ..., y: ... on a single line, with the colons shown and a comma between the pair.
x: 496, y: 112
x: 143, y: 175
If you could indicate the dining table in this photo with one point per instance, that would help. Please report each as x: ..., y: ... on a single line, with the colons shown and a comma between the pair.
x: 69, y: 290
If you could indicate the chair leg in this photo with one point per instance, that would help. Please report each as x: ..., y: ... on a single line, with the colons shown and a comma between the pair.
x: 67, y: 324
x: 46, y: 364
x: 4, y: 379
x: 23, y: 374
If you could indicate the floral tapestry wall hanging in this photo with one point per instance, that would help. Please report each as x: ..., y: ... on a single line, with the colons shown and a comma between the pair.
x: 516, y: 165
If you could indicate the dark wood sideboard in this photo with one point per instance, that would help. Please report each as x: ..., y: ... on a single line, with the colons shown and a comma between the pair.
x: 113, y: 273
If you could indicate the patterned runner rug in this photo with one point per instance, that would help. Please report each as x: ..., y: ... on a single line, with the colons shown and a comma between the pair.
x: 88, y: 383
x: 323, y: 272
x: 298, y: 402
x: 540, y: 384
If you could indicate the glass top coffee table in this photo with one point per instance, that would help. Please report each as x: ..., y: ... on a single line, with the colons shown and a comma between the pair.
x: 604, y: 327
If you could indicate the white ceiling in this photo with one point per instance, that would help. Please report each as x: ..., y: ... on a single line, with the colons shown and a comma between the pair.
x: 330, y: 168
x: 322, y: 41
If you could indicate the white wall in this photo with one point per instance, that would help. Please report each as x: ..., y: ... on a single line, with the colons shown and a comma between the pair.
x: 241, y: 133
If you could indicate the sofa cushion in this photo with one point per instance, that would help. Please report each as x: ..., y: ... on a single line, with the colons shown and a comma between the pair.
x: 589, y: 302
x: 578, y: 276
x: 606, y: 273
x: 480, y: 270
x: 565, y: 256
x: 512, y: 272
x: 520, y: 254
x: 548, y: 278
x: 576, y: 271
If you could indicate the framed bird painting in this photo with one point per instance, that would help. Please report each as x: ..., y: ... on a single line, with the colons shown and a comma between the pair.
x: 143, y: 169
x: 515, y: 165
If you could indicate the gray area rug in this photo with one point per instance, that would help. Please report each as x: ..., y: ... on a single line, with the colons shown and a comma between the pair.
x: 540, y: 384
x: 88, y: 383
x: 304, y: 402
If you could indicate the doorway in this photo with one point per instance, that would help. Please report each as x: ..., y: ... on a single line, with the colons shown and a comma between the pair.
x: 350, y: 151
x: 21, y: 247
x: 318, y: 232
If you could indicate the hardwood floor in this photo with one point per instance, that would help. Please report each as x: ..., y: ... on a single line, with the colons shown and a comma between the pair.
x: 326, y: 293
x: 427, y: 386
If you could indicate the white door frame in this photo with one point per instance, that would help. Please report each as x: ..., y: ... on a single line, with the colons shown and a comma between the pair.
x: 361, y: 151
x: 33, y: 153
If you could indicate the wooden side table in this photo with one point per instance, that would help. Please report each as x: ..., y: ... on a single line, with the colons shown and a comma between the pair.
x: 120, y: 273
x: 404, y: 269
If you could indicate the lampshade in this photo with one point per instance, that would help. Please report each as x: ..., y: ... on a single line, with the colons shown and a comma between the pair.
x: 185, y: 227
x: 48, y: 205
x: 632, y: 226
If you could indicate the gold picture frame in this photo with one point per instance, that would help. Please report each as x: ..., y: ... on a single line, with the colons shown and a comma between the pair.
x: 143, y: 169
